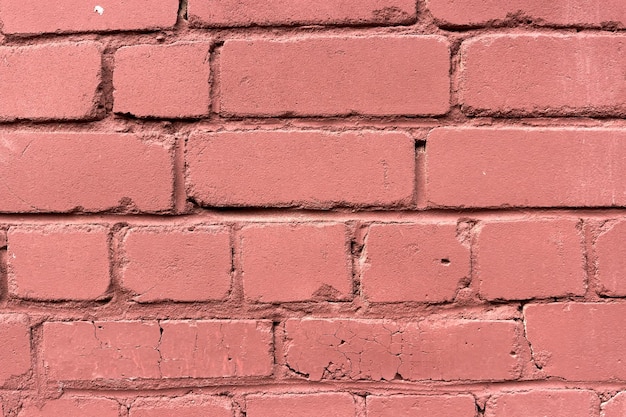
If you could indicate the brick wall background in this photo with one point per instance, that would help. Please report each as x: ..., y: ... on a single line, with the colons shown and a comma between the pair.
x: 372, y: 208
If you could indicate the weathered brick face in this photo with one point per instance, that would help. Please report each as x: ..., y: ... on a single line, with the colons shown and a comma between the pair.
x: 345, y: 208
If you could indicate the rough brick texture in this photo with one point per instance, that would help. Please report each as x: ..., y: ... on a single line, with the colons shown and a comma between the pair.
x: 162, y: 81
x: 562, y: 333
x: 529, y: 259
x: 574, y: 403
x: 480, y: 167
x: 581, y: 13
x: 15, y: 347
x: 378, y: 75
x: 177, y: 265
x: 410, y: 405
x: 24, y: 17
x: 83, y: 351
x: 615, y: 407
x: 84, y: 172
x: 345, y: 208
x: 73, y: 407
x: 79, y: 269
x: 185, y: 406
x: 611, y: 267
x: 382, y: 350
x: 295, y: 262
x: 294, y: 12
x: 47, y: 82
x: 276, y: 168
x: 329, y: 404
x: 413, y: 262
x: 544, y: 74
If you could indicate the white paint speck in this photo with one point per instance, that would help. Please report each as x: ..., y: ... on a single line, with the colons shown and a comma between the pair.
x: 99, y: 10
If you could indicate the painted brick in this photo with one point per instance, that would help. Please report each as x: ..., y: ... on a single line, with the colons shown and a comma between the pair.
x: 286, y: 262
x: 615, y: 407
x: 540, y: 403
x: 53, y: 81
x: 300, y: 12
x: 14, y: 347
x: 179, y: 265
x: 583, y: 13
x: 310, y: 169
x: 185, y: 406
x: 169, y: 81
x: 611, y: 266
x: 544, y: 75
x: 413, y: 262
x: 61, y: 172
x: 462, y: 405
x: 376, y: 75
x: 206, y: 349
x: 73, y: 407
x: 307, y: 405
x: 529, y: 167
x: 85, y: 351
x: 78, y: 270
x: 101, y: 350
x: 384, y: 350
x: 529, y: 259
x: 578, y: 341
x: 24, y: 17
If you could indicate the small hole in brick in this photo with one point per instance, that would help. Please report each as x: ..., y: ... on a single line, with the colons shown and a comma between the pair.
x: 445, y: 261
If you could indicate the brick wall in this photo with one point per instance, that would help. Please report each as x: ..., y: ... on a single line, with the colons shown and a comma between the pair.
x: 372, y: 208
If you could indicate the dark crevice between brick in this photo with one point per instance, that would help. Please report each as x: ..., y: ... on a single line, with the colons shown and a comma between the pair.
x: 420, y: 145
x: 182, y: 10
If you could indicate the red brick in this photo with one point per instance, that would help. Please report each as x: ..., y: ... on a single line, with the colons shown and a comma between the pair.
x: 310, y: 169
x: 170, y: 81
x: 531, y: 167
x: 578, y: 341
x: 461, y: 405
x: 554, y: 13
x: 611, y: 266
x: 285, y: 262
x: 73, y: 407
x: 556, y: 403
x: 300, y: 12
x: 186, y: 406
x: 206, y: 349
x: 376, y: 75
x: 382, y: 350
x: 53, y: 81
x: 23, y: 17
x: 529, y: 259
x: 14, y: 347
x: 59, y: 262
x: 304, y: 405
x: 413, y: 262
x: 615, y: 407
x: 60, y: 172
x: 179, y: 265
x: 85, y: 351
x: 101, y: 350
x: 544, y: 75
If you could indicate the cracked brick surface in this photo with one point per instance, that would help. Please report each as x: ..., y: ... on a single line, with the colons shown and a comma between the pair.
x: 385, y: 350
x: 129, y: 350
